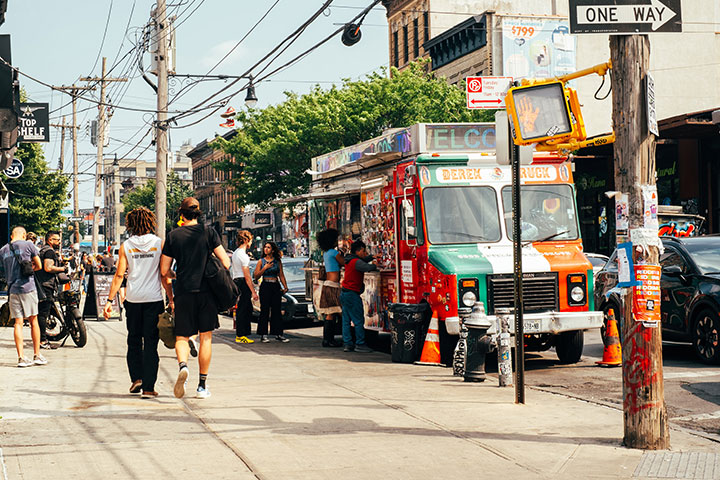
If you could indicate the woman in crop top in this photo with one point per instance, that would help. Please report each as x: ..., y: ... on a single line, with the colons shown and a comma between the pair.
x: 271, y: 270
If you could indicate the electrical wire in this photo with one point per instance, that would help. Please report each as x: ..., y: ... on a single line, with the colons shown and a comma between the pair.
x: 102, y: 42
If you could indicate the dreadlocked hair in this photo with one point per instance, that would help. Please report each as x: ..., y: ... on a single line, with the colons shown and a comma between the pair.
x: 140, y: 221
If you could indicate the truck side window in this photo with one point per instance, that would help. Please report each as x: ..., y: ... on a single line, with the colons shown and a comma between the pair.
x: 418, y: 221
x: 406, y: 221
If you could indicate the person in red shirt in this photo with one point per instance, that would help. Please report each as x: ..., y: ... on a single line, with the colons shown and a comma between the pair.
x: 353, y: 284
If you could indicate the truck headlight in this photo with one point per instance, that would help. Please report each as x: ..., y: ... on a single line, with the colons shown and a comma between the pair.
x: 577, y: 294
x: 469, y: 298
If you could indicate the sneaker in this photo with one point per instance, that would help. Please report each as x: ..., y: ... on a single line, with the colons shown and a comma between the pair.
x: 243, y: 339
x: 152, y: 394
x: 193, y: 347
x: 202, y: 392
x: 363, y: 348
x: 179, y: 389
x: 136, y: 386
x: 47, y: 346
x: 39, y: 360
x: 331, y: 344
x: 282, y: 338
x: 264, y: 339
x: 348, y: 348
x: 24, y: 362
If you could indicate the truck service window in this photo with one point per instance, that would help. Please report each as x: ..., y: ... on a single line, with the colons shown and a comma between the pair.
x: 461, y: 215
x: 548, y: 212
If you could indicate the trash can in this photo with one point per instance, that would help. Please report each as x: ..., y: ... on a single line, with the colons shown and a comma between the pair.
x: 407, y: 327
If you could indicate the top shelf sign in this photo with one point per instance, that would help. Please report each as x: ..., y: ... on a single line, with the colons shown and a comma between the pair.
x: 625, y: 17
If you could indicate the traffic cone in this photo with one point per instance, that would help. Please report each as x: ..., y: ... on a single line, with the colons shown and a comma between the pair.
x: 431, y: 349
x: 612, y: 355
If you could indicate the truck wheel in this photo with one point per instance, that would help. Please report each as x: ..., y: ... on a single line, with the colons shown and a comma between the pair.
x: 569, y: 346
x: 447, y: 345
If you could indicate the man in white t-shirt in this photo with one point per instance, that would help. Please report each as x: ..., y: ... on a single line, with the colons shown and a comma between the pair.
x: 243, y: 280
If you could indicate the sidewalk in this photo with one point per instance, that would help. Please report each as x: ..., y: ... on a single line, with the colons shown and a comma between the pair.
x: 299, y: 411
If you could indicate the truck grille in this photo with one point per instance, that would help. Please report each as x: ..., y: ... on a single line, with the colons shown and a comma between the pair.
x: 540, y: 292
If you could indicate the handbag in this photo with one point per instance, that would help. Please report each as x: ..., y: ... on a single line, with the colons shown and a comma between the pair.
x: 166, y: 329
x: 218, y: 278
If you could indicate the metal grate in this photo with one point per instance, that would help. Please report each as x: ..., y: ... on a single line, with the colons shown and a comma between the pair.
x: 540, y: 292
x: 688, y: 465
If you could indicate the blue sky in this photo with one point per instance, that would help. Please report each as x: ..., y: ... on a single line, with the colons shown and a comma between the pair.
x: 58, y: 42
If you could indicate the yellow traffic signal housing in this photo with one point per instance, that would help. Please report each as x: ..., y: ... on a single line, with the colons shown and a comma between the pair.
x: 540, y: 113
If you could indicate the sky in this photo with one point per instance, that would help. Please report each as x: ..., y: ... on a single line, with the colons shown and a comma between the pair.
x: 59, y: 42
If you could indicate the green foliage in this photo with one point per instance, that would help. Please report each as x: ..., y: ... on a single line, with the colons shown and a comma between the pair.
x: 144, y: 196
x: 39, y: 195
x: 274, y: 146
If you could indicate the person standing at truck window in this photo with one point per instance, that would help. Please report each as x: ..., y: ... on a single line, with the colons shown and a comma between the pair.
x: 330, y: 289
x: 244, y: 282
x: 353, y: 284
x: 271, y: 270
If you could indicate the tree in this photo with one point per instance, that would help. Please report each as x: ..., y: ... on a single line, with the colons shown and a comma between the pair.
x: 273, y: 148
x: 144, y: 196
x: 39, y: 195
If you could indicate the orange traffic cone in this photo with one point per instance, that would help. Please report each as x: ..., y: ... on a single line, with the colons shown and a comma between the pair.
x: 612, y: 355
x: 431, y: 349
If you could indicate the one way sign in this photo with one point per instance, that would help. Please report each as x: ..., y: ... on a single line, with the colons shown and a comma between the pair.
x: 622, y: 17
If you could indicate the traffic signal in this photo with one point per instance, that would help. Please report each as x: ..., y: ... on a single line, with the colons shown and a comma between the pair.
x: 540, y: 113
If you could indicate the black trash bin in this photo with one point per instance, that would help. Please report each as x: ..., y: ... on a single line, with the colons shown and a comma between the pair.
x: 407, y: 326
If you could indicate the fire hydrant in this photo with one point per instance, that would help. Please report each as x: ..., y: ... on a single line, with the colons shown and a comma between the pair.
x: 478, y: 344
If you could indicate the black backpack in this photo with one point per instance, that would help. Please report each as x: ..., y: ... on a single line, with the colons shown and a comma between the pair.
x: 26, y: 266
x: 218, y: 278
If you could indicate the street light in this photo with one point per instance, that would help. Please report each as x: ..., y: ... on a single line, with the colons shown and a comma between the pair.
x: 250, y: 99
x: 189, y: 80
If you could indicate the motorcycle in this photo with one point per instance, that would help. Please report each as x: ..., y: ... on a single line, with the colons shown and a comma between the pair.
x: 66, y: 320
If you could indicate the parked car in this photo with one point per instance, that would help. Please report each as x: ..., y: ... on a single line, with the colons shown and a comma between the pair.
x: 598, y: 261
x: 690, y: 293
x: 295, y: 306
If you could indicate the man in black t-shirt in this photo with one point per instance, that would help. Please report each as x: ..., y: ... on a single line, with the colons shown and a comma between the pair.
x: 47, y: 278
x: 192, y: 302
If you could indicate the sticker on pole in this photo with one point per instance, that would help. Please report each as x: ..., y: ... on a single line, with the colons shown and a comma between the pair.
x: 646, y: 298
x: 486, y: 92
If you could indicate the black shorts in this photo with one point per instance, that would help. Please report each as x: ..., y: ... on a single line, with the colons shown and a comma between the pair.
x: 195, y: 312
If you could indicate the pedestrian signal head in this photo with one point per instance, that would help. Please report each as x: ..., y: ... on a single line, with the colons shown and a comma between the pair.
x: 539, y: 113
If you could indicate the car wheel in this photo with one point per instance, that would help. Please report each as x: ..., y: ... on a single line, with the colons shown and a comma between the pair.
x: 618, y: 317
x: 705, y: 336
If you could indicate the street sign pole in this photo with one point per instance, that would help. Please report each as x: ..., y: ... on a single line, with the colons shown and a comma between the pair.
x: 517, y: 274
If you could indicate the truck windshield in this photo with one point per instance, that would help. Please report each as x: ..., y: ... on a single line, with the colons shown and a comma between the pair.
x: 548, y: 212
x: 461, y: 215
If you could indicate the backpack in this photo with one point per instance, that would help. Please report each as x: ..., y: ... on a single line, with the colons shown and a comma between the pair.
x: 26, y: 266
x: 218, y: 278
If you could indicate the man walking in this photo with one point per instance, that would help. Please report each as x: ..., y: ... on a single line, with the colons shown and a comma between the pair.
x: 192, y: 302
x: 353, y: 284
x: 20, y: 260
x: 47, y: 278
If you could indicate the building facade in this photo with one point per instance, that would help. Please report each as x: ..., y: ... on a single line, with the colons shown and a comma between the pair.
x: 218, y: 203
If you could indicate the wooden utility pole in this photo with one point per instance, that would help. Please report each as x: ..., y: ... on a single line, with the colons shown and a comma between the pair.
x: 100, y: 144
x: 74, y: 89
x: 645, y: 413
x: 161, y: 126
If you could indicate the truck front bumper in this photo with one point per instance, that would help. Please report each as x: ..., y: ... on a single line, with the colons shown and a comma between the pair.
x: 555, y: 322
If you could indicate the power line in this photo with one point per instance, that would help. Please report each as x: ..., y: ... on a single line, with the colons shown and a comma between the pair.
x: 102, y: 43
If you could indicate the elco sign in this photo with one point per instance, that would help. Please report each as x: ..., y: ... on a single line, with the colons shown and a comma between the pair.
x: 620, y: 17
x: 33, y: 123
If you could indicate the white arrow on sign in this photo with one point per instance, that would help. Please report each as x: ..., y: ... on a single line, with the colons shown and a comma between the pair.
x: 656, y: 13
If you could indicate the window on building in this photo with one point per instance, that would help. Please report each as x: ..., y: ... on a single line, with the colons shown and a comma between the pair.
x: 405, y: 44
x: 150, y: 172
x: 426, y: 26
x: 416, y: 38
x: 396, y: 50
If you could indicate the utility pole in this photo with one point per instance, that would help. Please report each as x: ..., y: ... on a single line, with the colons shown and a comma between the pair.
x: 645, y: 413
x: 116, y: 200
x: 161, y: 126
x: 62, y: 127
x: 74, y: 89
x: 100, y: 144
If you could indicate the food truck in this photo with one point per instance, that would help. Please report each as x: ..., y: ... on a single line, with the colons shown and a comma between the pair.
x: 433, y: 202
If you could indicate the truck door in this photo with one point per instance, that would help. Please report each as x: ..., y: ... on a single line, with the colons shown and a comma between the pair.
x: 409, y: 239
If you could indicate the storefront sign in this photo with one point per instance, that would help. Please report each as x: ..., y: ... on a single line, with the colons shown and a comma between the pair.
x: 646, y: 298
x: 33, y: 123
x: 263, y: 219
x: 398, y: 141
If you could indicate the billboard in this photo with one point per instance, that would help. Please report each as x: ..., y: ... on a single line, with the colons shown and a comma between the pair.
x: 534, y: 47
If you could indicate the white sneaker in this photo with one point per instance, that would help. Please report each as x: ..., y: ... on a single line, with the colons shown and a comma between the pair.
x: 24, y: 362
x: 180, y: 383
x: 202, y: 392
x: 39, y: 360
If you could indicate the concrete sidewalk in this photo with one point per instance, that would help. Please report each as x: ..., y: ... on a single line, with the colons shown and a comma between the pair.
x: 298, y: 411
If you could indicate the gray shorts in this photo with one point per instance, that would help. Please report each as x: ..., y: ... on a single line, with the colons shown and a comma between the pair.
x: 23, y: 305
